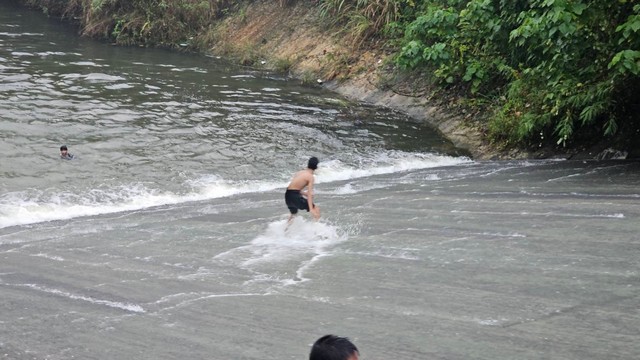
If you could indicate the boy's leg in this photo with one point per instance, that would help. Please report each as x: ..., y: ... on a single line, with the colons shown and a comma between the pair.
x: 289, y: 221
x: 315, y: 212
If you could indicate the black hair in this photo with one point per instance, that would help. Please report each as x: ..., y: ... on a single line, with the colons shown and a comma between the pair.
x: 313, y: 163
x: 63, y: 147
x: 331, y: 347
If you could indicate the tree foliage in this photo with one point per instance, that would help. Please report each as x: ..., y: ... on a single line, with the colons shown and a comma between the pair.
x: 552, y: 66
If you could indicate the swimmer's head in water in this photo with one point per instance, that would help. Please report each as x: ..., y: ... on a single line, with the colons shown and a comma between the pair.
x: 63, y: 148
x: 313, y: 163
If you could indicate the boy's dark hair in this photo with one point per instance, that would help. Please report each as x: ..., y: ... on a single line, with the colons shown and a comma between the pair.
x: 63, y: 147
x: 313, y: 163
x: 331, y: 347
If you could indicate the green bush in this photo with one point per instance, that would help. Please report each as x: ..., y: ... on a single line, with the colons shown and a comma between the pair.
x: 560, y: 65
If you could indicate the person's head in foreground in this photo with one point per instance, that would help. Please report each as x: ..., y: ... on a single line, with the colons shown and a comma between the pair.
x: 331, y: 347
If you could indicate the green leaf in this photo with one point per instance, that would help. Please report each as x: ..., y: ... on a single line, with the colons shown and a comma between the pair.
x: 579, y: 8
x: 565, y: 29
x: 610, y: 127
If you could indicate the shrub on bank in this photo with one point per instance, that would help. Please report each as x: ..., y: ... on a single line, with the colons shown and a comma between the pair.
x: 549, y: 69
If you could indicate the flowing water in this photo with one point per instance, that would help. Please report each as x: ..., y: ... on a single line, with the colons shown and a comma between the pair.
x: 164, y: 238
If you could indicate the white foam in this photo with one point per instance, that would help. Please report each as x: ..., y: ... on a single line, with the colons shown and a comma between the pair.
x: 27, y: 208
x: 280, y: 242
x: 47, y: 53
x: 114, y: 304
x: 184, y: 299
x: 34, y: 206
x: 19, y: 34
x: 271, y: 255
x: 384, y: 163
x: 84, y: 63
x: 47, y: 256
x: 21, y: 53
x: 118, y: 86
x: 100, y: 77
x: 194, y: 69
x: 215, y: 187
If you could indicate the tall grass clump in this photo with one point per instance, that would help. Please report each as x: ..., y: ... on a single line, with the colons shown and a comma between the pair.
x: 164, y: 23
x: 361, y: 20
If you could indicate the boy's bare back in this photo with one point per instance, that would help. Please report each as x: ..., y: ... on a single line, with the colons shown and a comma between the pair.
x: 301, y: 179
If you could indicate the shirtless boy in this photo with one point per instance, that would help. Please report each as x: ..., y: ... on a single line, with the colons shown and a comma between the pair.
x: 299, y: 198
